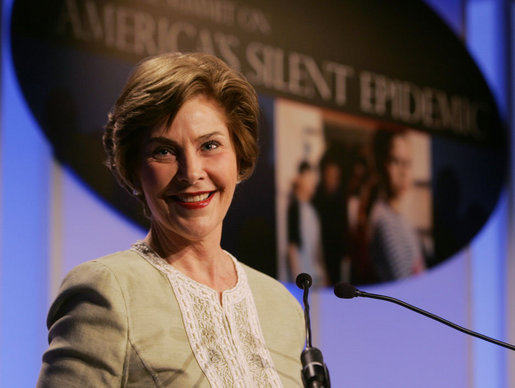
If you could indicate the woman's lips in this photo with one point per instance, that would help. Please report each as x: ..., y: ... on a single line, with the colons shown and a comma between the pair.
x: 194, y: 200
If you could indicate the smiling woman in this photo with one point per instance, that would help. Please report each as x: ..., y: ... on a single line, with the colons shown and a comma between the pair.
x: 176, y: 309
x: 188, y: 174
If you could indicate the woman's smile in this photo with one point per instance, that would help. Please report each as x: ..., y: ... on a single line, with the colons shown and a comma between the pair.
x: 194, y: 201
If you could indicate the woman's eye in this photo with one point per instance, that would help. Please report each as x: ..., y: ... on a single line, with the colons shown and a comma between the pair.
x: 162, y: 152
x: 210, y: 145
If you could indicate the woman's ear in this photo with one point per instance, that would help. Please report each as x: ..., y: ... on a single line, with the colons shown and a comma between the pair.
x: 135, y: 185
x: 240, y: 177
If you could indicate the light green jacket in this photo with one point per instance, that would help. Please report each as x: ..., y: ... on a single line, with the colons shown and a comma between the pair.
x: 116, y: 323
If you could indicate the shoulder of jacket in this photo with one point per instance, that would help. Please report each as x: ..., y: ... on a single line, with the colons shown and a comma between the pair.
x: 264, y: 286
x: 119, y: 265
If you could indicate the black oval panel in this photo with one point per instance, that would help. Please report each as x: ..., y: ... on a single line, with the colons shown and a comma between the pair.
x: 393, y: 64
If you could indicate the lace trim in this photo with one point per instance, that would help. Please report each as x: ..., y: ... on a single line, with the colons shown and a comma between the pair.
x: 226, y: 339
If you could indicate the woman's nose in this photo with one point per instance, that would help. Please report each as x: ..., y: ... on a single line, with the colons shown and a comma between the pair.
x: 191, y: 168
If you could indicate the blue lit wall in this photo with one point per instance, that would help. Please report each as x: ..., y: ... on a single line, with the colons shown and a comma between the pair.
x: 49, y: 222
x: 487, y: 39
x: 24, y: 233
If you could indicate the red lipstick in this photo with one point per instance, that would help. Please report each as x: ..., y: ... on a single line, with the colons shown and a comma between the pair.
x: 195, y: 200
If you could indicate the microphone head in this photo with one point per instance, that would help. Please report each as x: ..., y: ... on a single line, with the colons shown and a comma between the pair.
x: 345, y: 291
x: 303, y: 281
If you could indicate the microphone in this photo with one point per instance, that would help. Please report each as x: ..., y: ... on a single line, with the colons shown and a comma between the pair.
x: 314, y: 372
x: 303, y: 281
x: 348, y: 291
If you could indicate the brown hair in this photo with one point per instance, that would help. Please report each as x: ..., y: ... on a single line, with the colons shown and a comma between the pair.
x: 382, y: 148
x: 155, y: 92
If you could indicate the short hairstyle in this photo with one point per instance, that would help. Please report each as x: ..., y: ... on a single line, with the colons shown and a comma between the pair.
x: 303, y: 167
x: 154, y: 93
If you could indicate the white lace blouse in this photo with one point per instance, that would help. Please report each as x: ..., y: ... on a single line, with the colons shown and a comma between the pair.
x: 226, y: 339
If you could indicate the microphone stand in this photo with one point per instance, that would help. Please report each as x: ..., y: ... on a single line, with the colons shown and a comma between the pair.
x: 347, y: 291
x: 314, y: 372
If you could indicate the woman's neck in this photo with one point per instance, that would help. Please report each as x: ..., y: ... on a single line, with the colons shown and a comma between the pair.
x: 394, y: 202
x: 203, y: 261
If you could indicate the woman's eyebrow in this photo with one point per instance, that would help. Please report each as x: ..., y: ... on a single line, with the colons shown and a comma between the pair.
x: 166, y: 140
x: 160, y: 139
x: 209, y: 135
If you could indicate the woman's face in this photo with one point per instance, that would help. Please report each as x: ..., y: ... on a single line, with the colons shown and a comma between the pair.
x: 188, y: 171
x: 399, y: 166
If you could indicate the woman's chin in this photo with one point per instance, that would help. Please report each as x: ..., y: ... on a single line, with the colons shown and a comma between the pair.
x: 195, y: 231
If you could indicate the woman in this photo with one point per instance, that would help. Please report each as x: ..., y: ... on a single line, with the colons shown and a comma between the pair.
x: 395, y: 250
x: 176, y: 309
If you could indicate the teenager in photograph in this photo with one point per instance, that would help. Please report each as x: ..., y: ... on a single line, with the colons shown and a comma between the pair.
x: 394, y: 247
x: 329, y: 201
x: 304, y: 237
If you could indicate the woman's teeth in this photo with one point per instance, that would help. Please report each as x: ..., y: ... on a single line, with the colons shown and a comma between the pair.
x: 193, y: 198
